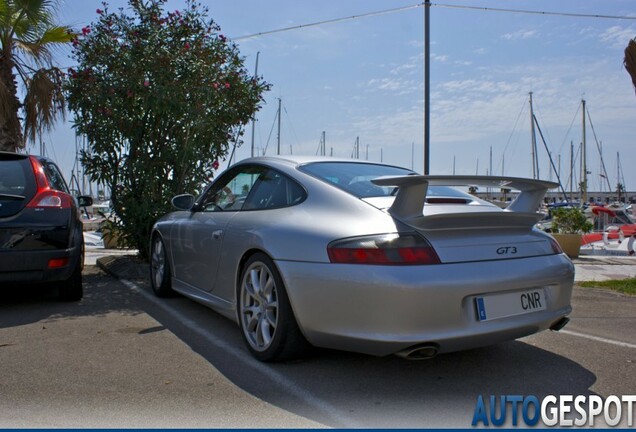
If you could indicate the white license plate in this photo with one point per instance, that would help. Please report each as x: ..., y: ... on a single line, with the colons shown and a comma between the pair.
x: 496, y: 306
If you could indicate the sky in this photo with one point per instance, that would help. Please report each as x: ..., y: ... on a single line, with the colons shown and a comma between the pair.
x: 364, y: 78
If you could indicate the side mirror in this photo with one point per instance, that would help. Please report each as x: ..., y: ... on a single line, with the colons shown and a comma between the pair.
x: 183, y: 202
x: 85, y: 201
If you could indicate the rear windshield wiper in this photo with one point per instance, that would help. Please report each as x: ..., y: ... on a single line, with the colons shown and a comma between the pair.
x: 11, y: 196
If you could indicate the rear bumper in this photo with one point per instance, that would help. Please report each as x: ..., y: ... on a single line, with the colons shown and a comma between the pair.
x: 381, y: 310
x: 33, y: 266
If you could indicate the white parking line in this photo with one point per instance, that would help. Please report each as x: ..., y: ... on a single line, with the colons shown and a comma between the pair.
x: 598, y: 339
x: 291, y: 387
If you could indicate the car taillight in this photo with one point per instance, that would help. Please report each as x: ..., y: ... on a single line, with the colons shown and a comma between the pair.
x: 384, y: 249
x: 45, y: 195
x: 556, y: 247
x: 58, y: 263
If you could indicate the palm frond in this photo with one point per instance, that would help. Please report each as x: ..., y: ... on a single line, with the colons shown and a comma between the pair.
x: 630, y: 60
x: 32, y: 50
x: 44, y: 102
x: 56, y: 35
x: 36, y: 11
x: 5, y: 13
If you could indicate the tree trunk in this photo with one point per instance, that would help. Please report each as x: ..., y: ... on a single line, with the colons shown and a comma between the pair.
x: 10, y: 128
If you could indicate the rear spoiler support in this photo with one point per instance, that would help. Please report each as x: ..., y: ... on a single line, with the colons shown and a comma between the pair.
x: 411, y: 195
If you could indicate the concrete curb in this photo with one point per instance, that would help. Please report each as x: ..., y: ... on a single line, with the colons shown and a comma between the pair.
x: 124, y: 267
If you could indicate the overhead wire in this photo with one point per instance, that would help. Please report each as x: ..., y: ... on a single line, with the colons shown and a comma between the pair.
x: 441, y: 5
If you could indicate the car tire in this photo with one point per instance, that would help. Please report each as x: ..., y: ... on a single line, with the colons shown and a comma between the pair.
x: 265, y: 316
x: 160, y: 275
x: 71, y: 289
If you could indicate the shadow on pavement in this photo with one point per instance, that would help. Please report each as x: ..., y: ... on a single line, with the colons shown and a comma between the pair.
x: 22, y: 304
x: 334, y: 388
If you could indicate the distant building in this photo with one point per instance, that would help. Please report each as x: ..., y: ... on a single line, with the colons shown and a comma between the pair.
x: 556, y: 196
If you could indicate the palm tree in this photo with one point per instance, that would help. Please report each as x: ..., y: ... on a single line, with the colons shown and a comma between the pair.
x: 630, y: 60
x: 27, y: 36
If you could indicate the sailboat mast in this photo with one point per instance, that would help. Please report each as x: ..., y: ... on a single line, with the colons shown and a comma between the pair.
x: 254, y: 118
x: 571, y: 167
x: 279, y: 112
x: 412, y: 154
x: 535, y: 163
x: 324, y: 144
x: 583, y: 159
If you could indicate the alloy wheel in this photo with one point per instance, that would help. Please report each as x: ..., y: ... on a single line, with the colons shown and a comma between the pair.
x: 158, y: 262
x: 259, y: 306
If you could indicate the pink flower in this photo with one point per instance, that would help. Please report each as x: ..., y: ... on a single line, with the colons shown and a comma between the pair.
x: 99, y: 11
x: 86, y: 30
x: 215, y: 85
x: 146, y: 83
x: 186, y: 46
x: 215, y: 164
x: 227, y: 85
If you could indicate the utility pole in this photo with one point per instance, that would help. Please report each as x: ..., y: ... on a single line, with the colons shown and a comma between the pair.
x: 427, y: 84
x: 254, y: 118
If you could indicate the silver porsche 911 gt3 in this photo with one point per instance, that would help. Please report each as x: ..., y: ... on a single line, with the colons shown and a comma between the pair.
x: 363, y: 257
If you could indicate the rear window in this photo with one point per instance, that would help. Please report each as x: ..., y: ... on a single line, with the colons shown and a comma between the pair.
x: 355, y: 178
x: 17, y: 185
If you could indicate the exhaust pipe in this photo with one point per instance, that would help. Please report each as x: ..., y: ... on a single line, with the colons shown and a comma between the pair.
x: 419, y: 352
x: 559, y: 324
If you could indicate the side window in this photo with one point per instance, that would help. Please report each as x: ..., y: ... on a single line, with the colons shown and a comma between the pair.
x: 274, y: 190
x: 231, y: 190
x: 55, y: 177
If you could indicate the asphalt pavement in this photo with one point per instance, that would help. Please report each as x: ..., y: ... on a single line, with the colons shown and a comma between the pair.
x: 123, y: 358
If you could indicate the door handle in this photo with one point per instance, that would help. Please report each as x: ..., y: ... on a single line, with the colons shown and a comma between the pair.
x: 217, y: 234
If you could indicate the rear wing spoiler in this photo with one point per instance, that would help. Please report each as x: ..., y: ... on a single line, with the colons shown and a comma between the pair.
x: 411, y: 195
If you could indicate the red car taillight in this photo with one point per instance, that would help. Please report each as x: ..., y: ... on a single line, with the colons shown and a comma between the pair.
x: 384, y: 249
x: 45, y: 196
x: 58, y: 262
x: 556, y: 247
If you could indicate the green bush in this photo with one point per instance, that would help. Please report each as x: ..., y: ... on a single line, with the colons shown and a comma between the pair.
x: 160, y: 97
x: 570, y: 220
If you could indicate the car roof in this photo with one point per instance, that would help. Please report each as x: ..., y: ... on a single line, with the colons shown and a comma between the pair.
x: 297, y: 160
x: 5, y: 155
